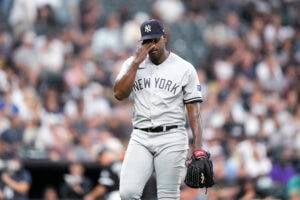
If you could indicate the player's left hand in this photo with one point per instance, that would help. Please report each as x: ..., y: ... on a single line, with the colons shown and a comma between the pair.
x: 199, y: 170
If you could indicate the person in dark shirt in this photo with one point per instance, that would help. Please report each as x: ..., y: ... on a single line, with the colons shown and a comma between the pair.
x: 15, y: 181
x: 108, y: 182
x: 75, y: 185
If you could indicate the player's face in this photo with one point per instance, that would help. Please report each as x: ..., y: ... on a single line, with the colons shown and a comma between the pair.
x: 159, y: 46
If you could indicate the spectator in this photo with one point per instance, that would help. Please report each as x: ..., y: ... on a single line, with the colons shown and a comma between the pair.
x: 131, y: 33
x: 293, y: 188
x: 254, y: 158
x: 107, y: 39
x: 90, y: 12
x: 176, y: 6
x: 25, y: 56
x: 45, y: 20
x: 270, y: 74
x: 15, y: 181
x: 108, y: 182
x: 247, y: 190
x: 22, y: 16
x: 75, y: 185
x: 50, y: 194
x: 50, y: 52
x: 283, y: 170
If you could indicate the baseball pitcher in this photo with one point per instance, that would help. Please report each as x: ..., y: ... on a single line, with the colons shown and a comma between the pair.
x: 163, y: 86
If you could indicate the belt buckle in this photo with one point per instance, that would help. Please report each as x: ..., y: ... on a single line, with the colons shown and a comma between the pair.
x: 164, y: 128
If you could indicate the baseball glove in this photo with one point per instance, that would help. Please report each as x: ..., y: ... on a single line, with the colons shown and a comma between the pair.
x: 199, y: 170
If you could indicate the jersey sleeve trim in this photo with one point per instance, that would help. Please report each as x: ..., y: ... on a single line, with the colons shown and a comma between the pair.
x: 192, y: 100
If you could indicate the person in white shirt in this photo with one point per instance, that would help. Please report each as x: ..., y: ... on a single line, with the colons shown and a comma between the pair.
x: 162, y: 85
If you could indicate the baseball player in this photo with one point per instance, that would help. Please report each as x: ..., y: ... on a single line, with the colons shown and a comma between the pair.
x: 162, y: 85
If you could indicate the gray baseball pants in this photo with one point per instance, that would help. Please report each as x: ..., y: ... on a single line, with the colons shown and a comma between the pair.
x: 163, y: 152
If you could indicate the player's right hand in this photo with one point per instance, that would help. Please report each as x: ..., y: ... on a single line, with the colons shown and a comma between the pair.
x: 141, y: 52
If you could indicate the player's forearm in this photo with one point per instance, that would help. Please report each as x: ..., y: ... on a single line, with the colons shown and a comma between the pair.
x: 123, y: 86
x: 194, y: 118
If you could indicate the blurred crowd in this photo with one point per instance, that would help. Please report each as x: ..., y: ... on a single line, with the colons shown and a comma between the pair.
x: 59, y: 60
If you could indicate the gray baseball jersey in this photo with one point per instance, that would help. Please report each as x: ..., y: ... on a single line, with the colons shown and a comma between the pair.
x: 159, y: 94
x: 160, y: 91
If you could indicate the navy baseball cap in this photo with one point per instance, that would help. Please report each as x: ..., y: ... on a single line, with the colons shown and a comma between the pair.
x: 152, y: 29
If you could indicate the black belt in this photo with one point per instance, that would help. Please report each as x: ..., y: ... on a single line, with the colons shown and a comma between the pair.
x: 158, y: 128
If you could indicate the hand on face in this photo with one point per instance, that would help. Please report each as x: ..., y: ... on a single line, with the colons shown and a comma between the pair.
x: 142, y: 51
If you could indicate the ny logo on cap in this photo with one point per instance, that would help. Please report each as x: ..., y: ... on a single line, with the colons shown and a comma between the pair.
x: 148, y: 28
